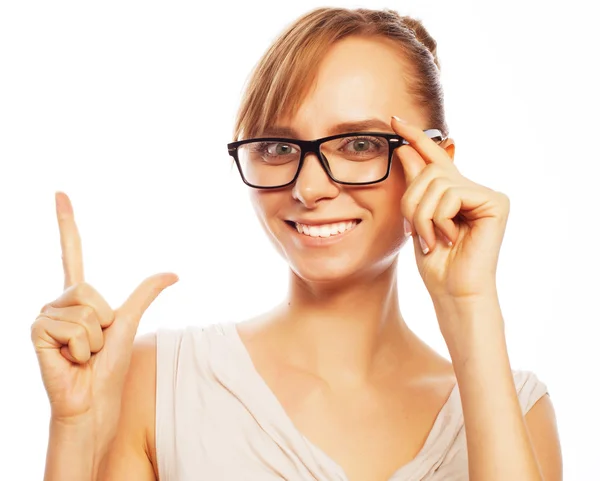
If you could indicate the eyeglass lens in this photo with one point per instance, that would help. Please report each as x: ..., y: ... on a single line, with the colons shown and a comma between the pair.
x: 354, y: 159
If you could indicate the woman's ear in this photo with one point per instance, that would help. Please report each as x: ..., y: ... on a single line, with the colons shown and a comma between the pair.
x: 449, y: 146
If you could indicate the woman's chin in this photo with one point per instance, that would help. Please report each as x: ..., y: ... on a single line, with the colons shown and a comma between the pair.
x: 325, y: 271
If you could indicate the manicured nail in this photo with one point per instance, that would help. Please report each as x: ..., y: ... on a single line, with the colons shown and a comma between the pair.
x: 402, y: 121
x: 423, y: 245
x: 449, y: 243
x: 407, y: 229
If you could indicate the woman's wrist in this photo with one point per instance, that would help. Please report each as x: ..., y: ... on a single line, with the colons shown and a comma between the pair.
x: 77, y: 447
x: 468, y: 324
x: 71, y: 450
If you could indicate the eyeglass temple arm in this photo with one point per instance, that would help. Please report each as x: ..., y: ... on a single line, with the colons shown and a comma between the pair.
x: 433, y: 134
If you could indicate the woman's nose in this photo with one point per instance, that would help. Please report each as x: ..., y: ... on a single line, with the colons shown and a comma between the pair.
x: 313, y: 184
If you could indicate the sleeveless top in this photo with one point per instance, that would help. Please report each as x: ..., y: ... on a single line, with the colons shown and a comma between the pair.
x: 216, y: 419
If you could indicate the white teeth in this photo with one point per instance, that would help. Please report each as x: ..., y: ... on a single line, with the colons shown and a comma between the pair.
x: 325, y: 230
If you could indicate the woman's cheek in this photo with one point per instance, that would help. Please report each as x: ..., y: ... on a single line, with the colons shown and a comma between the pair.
x: 266, y: 206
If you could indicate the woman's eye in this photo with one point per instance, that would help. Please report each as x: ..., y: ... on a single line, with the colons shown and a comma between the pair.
x: 280, y: 149
x: 361, y: 145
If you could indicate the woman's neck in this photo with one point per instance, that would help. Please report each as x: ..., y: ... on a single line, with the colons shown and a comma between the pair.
x: 346, y: 333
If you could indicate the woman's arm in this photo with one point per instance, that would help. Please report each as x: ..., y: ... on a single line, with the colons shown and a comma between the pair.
x: 502, y: 444
x: 77, y: 453
x: 129, y: 454
x: 70, y: 455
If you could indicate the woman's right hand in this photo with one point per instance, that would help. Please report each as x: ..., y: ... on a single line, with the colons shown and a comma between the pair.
x: 83, y: 346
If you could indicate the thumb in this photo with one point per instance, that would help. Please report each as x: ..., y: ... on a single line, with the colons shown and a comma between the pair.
x: 127, y: 317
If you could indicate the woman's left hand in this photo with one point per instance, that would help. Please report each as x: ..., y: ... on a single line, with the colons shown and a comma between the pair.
x: 440, y: 202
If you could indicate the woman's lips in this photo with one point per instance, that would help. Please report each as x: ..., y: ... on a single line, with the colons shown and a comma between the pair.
x: 323, y: 234
x: 327, y: 229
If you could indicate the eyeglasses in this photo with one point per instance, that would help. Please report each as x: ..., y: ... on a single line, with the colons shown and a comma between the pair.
x: 359, y: 158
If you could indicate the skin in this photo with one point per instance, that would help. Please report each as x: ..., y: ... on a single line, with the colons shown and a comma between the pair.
x: 337, y: 353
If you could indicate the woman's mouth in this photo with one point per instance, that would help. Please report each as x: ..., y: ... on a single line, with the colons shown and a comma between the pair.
x: 324, y: 230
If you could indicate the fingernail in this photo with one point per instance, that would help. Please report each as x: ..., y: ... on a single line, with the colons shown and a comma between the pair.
x: 62, y: 204
x: 423, y: 245
x: 446, y: 240
x: 402, y: 121
x: 407, y: 229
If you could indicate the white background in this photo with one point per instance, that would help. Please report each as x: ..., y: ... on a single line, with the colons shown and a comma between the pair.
x: 127, y: 107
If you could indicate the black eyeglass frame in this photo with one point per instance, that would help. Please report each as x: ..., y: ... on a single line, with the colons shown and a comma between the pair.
x: 314, y: 147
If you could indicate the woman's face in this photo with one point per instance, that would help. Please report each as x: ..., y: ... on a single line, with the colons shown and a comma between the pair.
x: 359, y: 79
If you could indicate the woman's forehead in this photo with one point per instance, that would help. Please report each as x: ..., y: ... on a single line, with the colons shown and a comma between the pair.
x: 358, y: 79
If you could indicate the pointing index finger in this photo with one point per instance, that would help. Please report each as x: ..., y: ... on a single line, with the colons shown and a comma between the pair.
x: 420, y: 141
x: 70, y: 242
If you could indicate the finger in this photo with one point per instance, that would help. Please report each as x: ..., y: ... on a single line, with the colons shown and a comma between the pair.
x: 443, y: 238
x: 417, y: 138
x: 411, y: 161
x: 446, y: 211
x: 85, y: 294
x: 64, y: 350
x: 128, y: 316
x: 423, y: 219
x: 52, y: 334
x: 70, y: 242
x: 415, y: 191
x: 84, y: 315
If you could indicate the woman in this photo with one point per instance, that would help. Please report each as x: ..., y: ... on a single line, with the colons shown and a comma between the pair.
x: 331, y: 384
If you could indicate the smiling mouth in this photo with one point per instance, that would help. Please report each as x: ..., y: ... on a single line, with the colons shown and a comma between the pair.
x: 324, y: 230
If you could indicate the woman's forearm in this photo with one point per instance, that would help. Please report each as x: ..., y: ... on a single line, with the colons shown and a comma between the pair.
x: 75, y: 451
x: 498, y: 444
x: 70, y: 455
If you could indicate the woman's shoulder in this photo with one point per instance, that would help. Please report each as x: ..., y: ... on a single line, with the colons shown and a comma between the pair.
x: 158, y: 359
x: 529, y: 388
x: 191, y: 339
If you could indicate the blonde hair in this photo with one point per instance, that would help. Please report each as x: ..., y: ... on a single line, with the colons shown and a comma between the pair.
x: 282, y: 77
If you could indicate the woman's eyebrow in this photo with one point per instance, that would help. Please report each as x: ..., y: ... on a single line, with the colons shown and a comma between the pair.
x: 341, y: 128
x: 360, y: 125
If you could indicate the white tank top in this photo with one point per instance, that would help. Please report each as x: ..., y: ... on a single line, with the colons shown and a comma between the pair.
x: 216, y: 419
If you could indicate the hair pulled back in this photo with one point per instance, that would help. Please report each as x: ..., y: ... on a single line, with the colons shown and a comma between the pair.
x: 284, y: 74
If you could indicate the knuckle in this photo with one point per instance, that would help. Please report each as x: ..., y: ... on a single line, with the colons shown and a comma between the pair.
x: 80, y: 333
x: 35, y: 328
x: 39, y: 327
x: 450, y: 194
x: 82, y: 291
x: 39, y: 321
x: 419, y: 220
x: 45, y: 308
x: 438, y: 183
x: 436, y: 171
x: 441, y: 221
x: 88, y: 315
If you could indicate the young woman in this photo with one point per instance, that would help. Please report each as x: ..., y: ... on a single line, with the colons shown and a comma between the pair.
x: 342, y: 139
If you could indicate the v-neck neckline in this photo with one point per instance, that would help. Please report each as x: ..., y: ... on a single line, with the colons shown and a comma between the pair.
x: 268, y: 411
